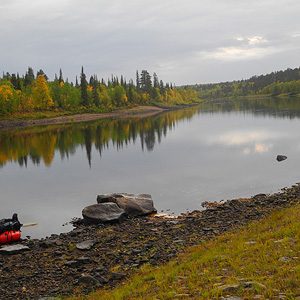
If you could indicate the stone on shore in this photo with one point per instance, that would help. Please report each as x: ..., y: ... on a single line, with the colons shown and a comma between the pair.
x: 281, y: 158
x: 14, y: 249
x: 103, y: 213
x: 85, y: 245
x: 133, y: 204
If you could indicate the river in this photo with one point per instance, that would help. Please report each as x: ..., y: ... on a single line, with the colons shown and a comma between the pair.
x: 216, y: 151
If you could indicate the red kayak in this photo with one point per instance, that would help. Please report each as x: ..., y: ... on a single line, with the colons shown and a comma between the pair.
x: 10, y: 236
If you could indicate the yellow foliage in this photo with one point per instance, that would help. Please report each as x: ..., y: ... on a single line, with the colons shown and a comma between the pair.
x: 6, y: 92
x: 41, y: 94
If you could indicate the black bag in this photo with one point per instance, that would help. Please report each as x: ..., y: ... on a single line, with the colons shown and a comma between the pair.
x: 10, y: 224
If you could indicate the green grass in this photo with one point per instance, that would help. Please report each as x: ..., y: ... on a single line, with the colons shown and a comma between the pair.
x: 261, y: 259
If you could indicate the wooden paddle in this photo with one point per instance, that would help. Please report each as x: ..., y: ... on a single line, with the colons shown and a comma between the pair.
x: 29, y: 224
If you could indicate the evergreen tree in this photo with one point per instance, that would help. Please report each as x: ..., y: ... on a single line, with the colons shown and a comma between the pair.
x: 96, y: 98
x: 60, y: 79
x: 137, y: 81
x: 83, y: 87
x: 145, y: 80
x: 29, y: 77
x: 41, y: 72
x: 155, y: 81
x: 19, y: 83
x: 14, y: 81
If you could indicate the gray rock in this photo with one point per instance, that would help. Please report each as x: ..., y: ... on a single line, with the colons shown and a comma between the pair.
x: 229, y: 288
x: 253, y: 285
x: 232, y: 298
x: 103, y: 213
x: 88, y: 279
x: 85, y: 245
x: 132, y: 204
x: 101, y: 279
x: 117, y: 276
x: 281, y: 158
x: 285, y: 259
x: 14, y: 249
x: 72, y: 263
x: 83, y: 259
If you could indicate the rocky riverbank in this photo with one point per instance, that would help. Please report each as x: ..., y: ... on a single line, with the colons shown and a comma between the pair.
x: 101, y: 256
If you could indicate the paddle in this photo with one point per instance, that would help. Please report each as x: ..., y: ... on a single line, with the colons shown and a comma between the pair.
x: 29, y: 224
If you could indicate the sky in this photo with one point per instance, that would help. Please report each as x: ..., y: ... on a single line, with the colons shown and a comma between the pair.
x: 183, y: 42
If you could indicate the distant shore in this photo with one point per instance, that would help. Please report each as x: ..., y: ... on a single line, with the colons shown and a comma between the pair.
x: 142, y: 111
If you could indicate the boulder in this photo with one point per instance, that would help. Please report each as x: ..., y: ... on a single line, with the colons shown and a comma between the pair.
x: 281, y: 157
x: 132, y: 204
x: 103, y: 213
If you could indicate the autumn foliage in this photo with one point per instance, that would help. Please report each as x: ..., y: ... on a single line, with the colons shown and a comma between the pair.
x: 35, y: 93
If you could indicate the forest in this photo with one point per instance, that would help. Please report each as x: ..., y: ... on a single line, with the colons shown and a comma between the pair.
x: 35, y: 93
x: 282, y: 82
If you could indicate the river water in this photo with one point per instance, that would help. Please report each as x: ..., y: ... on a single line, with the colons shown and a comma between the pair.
x: 216, y: 151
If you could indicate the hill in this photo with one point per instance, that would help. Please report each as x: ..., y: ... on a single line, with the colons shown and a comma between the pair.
x: 275, y: 83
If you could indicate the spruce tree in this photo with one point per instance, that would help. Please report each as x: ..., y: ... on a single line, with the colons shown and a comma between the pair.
x: 96, y: 97
x: 138, y: 86
x: 60, y: 79
x: 83, y: 87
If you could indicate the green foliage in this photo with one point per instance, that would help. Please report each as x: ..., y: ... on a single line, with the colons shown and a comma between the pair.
x: 27, y: 94
x: 282, y: 82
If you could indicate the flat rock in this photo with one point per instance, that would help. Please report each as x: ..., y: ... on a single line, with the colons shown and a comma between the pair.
x: 85, y: 245
x: 103, y: 213
x: 14, y: 249
x: 132, y: 204
x: 88, y: 279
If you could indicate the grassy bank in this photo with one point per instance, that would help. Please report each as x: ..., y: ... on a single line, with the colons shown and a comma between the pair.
x: 259, y: 261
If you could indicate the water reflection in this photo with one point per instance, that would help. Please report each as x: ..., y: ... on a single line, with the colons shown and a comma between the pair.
x: 249, y: 141
x: 40, y: 143
x: 285, y: 107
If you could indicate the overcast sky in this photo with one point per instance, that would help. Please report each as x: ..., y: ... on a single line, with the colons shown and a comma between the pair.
x: 184, y: 42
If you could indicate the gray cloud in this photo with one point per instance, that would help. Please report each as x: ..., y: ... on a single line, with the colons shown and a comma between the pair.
x: 184, y: 42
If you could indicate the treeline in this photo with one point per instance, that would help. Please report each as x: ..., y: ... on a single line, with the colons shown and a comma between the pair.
x: 275, y: 83
x: 30, y: 92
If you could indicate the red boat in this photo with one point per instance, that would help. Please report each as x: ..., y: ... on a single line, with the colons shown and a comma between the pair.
x: 10, y: 236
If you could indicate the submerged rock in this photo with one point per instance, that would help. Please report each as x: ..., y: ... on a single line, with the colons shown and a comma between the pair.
x: 281, y: 158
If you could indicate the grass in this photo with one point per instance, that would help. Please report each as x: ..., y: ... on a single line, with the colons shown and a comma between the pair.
x: 259, y: 261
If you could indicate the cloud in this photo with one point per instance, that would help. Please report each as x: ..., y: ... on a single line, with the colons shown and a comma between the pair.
x: 183, y: 42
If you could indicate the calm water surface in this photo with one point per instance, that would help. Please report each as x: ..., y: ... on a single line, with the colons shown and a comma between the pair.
x: 182, y: 158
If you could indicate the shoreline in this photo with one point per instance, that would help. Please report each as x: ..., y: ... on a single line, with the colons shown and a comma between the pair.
x: 101, y: 256
x: 138, y: 111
